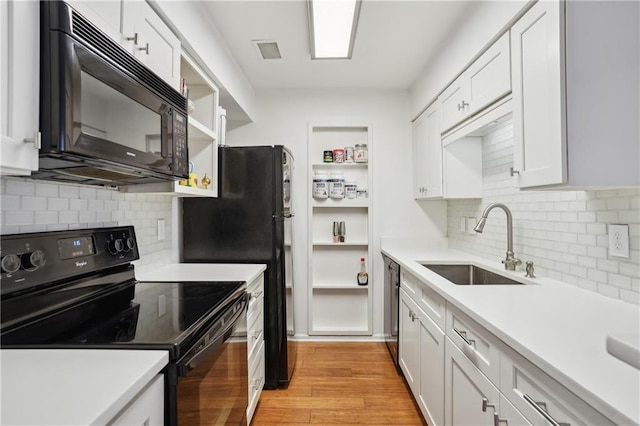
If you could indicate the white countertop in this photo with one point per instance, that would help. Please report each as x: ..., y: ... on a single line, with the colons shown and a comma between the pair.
x: 559, y: 327
x: 72, y: 387
x: 204, y: 272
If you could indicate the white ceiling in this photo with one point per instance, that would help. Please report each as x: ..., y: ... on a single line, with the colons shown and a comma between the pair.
x: 394, y: 42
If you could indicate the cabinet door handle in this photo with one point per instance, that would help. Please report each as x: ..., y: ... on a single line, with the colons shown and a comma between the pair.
x: 462, y: 105
x: 36, y: 140
x: 513, y: 172
x: 256, y: 294
x: 463, y: 336
x: 541, y: 408
x: 144, y: 49
x: 134, y: 39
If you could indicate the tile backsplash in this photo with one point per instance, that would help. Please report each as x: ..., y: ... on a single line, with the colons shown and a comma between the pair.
x: 563, y: 232
x: 34, y: 206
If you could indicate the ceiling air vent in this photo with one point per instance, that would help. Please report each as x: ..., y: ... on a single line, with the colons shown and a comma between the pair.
x: 267, y: 49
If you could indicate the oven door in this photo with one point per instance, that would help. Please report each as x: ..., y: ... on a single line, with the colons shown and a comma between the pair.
x: 213, y: 384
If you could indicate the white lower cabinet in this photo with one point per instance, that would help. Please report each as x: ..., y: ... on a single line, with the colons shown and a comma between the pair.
x: 147, y: 408
x: 466, y: 390
x: 465, y: 375
x: 421, y: 357
x: 255, y: 343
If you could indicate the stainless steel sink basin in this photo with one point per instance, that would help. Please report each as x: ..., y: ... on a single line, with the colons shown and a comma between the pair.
x: 465, y: 274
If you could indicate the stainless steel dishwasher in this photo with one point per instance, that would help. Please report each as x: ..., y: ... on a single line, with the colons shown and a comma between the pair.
x: 391, y: 300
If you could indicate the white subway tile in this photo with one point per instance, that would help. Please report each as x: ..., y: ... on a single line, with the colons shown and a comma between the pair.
x: 46, y: 217
x: 9, y: 229
x: 13, y: 218
x: 78, y: 204
x: 33, y: 203
x: 44, y: 189
x: 58, y: 204
x: 69, y: 191
x: 69, y: 217
x: 10, y: 202
x: 20, y: 187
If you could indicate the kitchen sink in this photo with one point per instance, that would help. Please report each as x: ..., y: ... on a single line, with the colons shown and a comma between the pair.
x: 465, y: 274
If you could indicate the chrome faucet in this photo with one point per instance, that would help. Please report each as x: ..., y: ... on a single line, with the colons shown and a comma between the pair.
x: 510, y: 262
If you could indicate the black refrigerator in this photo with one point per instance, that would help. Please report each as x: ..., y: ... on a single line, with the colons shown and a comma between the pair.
x: 251, y: 222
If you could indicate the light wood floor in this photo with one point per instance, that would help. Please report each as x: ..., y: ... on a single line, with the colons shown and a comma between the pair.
x: 340, y: 384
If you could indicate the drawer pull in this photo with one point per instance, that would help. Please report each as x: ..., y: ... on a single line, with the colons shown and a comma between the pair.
x: 256, y: 294
x: 256, y: 334
x: 463, y: 336
x: 497, y: 420
x: 541, y: 408
x: 486, y: 404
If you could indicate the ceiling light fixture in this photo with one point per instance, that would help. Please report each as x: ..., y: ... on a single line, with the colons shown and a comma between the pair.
x: 332, y: 27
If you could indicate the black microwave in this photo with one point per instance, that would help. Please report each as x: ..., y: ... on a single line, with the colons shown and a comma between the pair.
x: 105, y: 118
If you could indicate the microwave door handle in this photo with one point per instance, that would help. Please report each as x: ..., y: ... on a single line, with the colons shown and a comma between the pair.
x: 165, y: 122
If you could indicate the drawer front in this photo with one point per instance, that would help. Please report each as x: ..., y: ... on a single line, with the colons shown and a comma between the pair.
x: 256, y: 382
x: 480, y: 347
x: 433, y: 304
x: 255, y: 329
x: 540, y: 398
x: 409, y: 283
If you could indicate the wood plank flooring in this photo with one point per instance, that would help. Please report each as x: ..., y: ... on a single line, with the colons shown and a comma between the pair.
x: 340, y: 384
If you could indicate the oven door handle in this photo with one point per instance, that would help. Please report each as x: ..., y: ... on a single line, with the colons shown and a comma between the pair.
x: 192, y: 359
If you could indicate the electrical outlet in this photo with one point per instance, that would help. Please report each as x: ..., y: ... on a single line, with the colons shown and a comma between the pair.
x: 161, y: 234
x: 463, y: 225
x: 471, y: 223
x: 619, y: 240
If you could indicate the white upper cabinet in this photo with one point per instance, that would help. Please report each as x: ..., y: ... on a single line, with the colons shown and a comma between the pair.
x: 136, y: 27
x: 19, y: 90
x: 486, y: 80
x: 427, y: 154
x: 575, y: 93
x: 154, y: 44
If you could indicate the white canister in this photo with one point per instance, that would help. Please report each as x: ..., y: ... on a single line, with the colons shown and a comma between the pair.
x: 361, y: 153
x: 336, y: 185
x: 350, y: 189
x: 320, y: 185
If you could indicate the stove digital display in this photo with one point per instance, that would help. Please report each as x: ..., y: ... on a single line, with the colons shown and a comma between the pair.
x: 71, y: 248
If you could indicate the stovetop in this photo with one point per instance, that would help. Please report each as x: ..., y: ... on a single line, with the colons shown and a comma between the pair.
x: 100, y: 304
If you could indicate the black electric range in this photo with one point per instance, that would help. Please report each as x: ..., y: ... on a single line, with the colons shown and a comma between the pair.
x: 77, y: 289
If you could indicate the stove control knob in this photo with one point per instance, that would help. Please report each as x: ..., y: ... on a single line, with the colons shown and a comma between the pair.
x: 10, y: 263
x: 129, y: 244
x: 33, y: 260
x: 115, y: 246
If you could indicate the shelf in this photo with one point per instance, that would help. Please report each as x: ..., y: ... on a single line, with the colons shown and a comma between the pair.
x: 340, y: 202
x: 363, y: 165
x: 340, y: 287
x: 346, y: 243
x: 198, y: 131
x: 169, y: 188
x: 337, y: 304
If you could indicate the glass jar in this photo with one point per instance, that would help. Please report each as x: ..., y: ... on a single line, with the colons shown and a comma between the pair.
x: 361, y: 153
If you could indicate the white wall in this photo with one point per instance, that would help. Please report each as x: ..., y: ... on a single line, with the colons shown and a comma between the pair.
x: 37, y: 206
x: 481, y: 25
x: 563, y: 232
x: 282, y: 117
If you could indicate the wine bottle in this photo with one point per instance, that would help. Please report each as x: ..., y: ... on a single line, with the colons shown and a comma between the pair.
x: 363, y: 277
